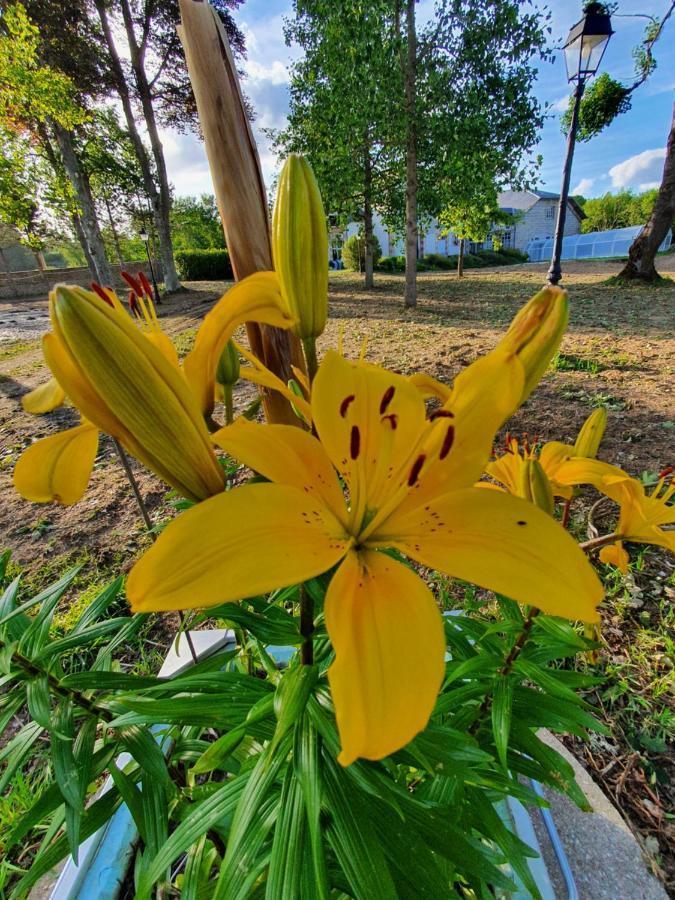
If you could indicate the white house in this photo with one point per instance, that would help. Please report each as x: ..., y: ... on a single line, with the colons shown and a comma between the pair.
x: 534, y: 212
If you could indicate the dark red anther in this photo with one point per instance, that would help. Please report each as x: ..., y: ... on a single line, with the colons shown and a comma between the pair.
x: 386, y: 399
x: 344, y: 406
x: 98, y: 290
x: 416, y: 468
x: 145, y: 284
x: 392, y: 418
x: 355, y: 442
x: 447, y: 442
x: 667, y: 471
x: 133, y: 302
x: 441, y: 414
x: 131, y: 281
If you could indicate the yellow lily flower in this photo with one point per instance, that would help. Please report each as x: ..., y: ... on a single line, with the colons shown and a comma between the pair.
x: 44, y: 399
x: 254, y: 299
x: 562, y: 465
x: 409, y: 483
x: 125, y: 387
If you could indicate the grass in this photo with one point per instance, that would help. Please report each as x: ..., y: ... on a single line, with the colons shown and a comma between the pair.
x: 12, y: 349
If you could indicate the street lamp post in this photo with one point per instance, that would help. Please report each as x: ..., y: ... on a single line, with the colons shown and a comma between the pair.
x: 584, y: 49
x: 145, y: 237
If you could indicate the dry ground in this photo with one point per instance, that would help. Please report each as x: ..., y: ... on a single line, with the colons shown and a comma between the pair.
x: 618, y: 353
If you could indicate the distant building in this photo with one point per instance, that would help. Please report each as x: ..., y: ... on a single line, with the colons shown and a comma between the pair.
x: 534, y: 213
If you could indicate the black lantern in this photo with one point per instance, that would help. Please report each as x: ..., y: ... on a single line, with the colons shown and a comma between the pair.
x: 586, y: 42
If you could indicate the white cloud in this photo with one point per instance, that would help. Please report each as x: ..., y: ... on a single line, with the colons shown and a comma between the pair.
x: 649, y: 185
x: 584, y: 186
x: 643, y: 168
x: 277, y: 73
x: 561, y: 104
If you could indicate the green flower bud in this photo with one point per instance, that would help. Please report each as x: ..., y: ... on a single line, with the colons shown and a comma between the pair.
x: 300, y: 247
x: 535, y: 486
x: 590, y: 434
x: 227, y: 372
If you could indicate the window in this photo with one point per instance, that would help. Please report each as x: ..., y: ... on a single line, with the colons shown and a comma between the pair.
x: 550, y: 212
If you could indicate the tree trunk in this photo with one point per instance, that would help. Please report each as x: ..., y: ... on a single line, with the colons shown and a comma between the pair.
x: 115, y: 235
x: 410, y: 85
x: 40, y: 257
x: 642, y: 253
x: 460, y: 259
x: 79, y: 231
x: 368, y: 216
x: 162, y: 222
x: 166, y: 255
x: 88, y: 218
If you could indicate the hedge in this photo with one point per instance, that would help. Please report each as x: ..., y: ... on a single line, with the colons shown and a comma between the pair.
x: 431, y: 261
x: 203, y: 265
x: 354, y: 252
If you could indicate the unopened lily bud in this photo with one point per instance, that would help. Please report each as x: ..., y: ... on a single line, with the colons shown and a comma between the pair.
x: 590, y: 434
x: 300, y: 247
x: 535, y: 333
x: 535, y: 486
x: 227, y: 372
x: 126, y: 387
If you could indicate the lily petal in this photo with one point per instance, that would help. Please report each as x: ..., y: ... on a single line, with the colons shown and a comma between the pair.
x: 389, y: 646
x: 254, y: 299
x: 44, y: 398
x: 57, y: 468
x: 165, y: 346
x: 615, y: 555
x: 369, y: 420
x: 501, y: 543
x: 287, y: 455
x: 430, y: 387
x: 237, y: 544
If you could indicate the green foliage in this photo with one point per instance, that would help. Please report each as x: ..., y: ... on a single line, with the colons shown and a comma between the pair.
x: 195, y: 224
x: 354, y: 252
x: 204, y: 265
x: 603, y: 101
x: 244, y: 780
x: 618, y: 210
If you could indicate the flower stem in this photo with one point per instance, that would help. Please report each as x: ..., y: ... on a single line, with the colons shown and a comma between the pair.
x: 507, y: 666
x: 594, y: 543
x: 306, y: 626
x: 566, y: 513
x: 309, y: 346
x: 34, y: 670
x: 229, y: 407
x: 147, y: 521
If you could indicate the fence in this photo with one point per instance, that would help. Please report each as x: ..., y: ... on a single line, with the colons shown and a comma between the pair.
x: 37, y: 283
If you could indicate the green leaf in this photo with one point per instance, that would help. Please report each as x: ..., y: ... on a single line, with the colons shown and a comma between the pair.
x: 502, y: 703
x: 99, y: 604
x: 307, y: 763
x: 547, y: 679
x: 250, y: 825
x: 202, y: 818
x: 35, y: 636
x: 285, y: 865
x: 270, y: 630
x: 146, y: 751
x: 352, y: 838
x: 17, y: 751
x: 38, y: 699
x: 86, y: 636
x: 293, y: 691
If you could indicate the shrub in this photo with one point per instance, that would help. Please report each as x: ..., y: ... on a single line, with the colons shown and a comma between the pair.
x: 441, y: 262
x: 203, y: 265
x: 391, y: 264
x: 491, y: 257
x: 514, y: 255
x: 354, y: 252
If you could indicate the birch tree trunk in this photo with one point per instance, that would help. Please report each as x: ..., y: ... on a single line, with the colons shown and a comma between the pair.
x: 88, y: 218
x: 643, y: 250
x: 410, y: 85
x: 162, y: 222
x: 160, y: 217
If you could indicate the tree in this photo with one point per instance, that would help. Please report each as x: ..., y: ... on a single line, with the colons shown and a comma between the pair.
x: 158, y: 86
x: 604, y: 100
x: 195, y: 223
x: 40, y: 108
x: 473, y: 214
x: 340, y: 110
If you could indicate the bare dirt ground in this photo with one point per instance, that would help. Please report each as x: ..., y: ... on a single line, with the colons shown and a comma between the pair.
x: 619, y: 353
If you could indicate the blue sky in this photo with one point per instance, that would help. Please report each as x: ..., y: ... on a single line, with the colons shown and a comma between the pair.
x: 628, y: 154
